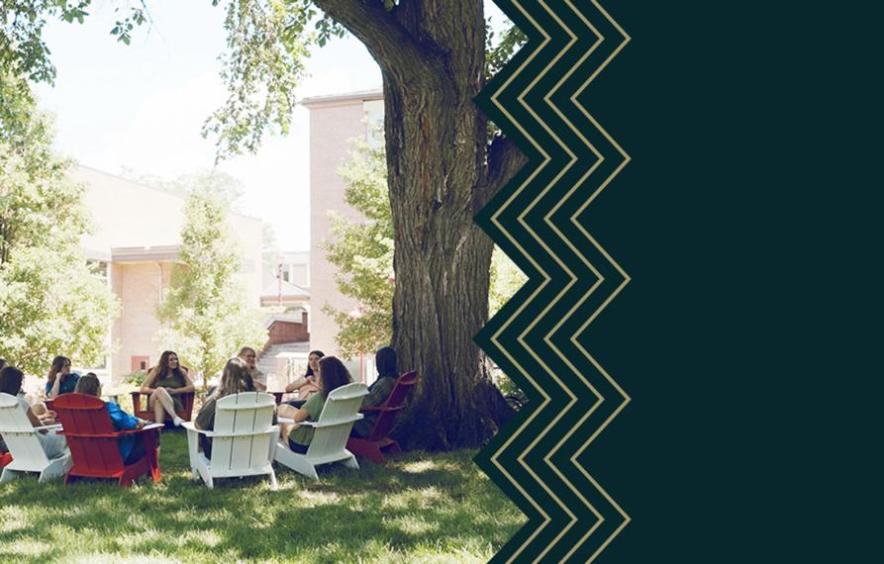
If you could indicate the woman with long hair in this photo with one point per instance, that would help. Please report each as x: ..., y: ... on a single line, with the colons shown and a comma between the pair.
x: 60, y: 379
x: 386, y: 363
x: 306, y: 385
x: 165, y: 383
x: 10, y: 383
x: 332, y: 374
x: 235, y: 379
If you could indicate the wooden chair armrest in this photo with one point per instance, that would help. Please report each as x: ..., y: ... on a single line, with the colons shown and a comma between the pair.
x: 114, y: 435
x: 316, y: 425
x: 381, y: 409
x: 274, y: 430
x: 146, y: 428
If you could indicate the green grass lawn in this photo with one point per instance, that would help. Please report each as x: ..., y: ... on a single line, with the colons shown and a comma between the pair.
x: 418, y: 507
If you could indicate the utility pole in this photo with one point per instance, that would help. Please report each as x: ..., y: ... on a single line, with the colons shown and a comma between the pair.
x: 279, y: 284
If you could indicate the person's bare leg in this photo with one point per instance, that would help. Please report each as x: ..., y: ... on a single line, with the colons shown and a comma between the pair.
x: 287, y: 412
x: 162, y: 402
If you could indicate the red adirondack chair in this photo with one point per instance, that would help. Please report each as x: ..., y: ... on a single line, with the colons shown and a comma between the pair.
x: 186, y: 411
x: 374, y: 446
x: 5, y: 458
x: 94, y: 443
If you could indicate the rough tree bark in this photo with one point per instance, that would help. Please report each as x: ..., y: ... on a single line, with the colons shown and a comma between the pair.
x: 441, y: 171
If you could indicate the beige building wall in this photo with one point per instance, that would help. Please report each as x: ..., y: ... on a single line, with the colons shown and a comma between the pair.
x: 136, y: 229
x: 140, y: 288
x: 334, y: 120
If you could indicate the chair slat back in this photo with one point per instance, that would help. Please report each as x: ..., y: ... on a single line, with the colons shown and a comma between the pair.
x: 336, y: 420
x: 247, y: 416
x: 395, y: 402
x: 19, y: 435
x: 83, y: 417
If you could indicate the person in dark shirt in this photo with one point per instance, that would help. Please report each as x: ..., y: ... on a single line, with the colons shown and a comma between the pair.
x: 60, y: 379
x: 386, y: 363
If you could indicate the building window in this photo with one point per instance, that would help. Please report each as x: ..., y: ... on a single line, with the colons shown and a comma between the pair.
x: 140, y: 363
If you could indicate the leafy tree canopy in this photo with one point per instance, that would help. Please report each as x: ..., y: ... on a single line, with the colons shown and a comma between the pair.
x: 268, y: 42
x: 51, y: 301
x: 205, y: 313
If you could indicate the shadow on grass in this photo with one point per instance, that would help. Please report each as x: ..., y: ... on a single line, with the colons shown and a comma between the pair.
x: 418, y: 505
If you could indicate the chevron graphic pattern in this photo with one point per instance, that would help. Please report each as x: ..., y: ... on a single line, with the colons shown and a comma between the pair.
x: 538, y: 338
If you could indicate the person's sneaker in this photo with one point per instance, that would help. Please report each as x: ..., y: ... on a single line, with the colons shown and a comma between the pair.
x: 178, y: 421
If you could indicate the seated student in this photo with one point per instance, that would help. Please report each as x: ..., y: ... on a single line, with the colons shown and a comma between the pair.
x: 332, y: 375
x: 131, y: 449
x: 250, y: 357
x: 235, y: 379
x: 385, y: 360
x: 10, y: 383
x: 60, y: 379
x: 306, y: 385
x: 165, y: 383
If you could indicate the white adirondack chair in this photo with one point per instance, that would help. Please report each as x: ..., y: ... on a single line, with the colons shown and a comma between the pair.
x: 21, y: 439
x: 243, y: 440
x: 330, y: 435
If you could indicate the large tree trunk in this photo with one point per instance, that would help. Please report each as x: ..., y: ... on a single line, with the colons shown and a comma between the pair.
x: 432, y: 55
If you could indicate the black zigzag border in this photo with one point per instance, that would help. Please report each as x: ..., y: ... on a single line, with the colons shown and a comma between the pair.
x: 538, y: 220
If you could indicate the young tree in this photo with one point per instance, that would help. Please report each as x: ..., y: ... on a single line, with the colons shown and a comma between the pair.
x: 51, y: 301
x: 270, y: 255
x: 441, y: 168
x: 362, y: 251
x: 206, y: 317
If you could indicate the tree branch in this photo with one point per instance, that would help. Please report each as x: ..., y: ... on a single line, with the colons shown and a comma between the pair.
x: 504, y: 162
x: 391, y: 45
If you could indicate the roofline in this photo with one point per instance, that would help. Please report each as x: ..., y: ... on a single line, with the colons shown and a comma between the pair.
x: 361, y: 95
x: 154, y: 189
x: 139, y: 254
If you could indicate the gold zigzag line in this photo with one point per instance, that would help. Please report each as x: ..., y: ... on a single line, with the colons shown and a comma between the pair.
x: 520, y: 459
x: 626, y: 280
x: 600, y: 280
x: 540, y: 436
x: 520, y: 338
x: 495, y: 457
x: 546, y: 160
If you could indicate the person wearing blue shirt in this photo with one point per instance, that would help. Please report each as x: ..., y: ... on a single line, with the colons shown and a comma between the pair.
x: 60, y: 379
x: 131, y: 449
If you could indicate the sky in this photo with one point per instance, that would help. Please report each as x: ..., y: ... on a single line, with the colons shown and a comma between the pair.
x: 140, y: 107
